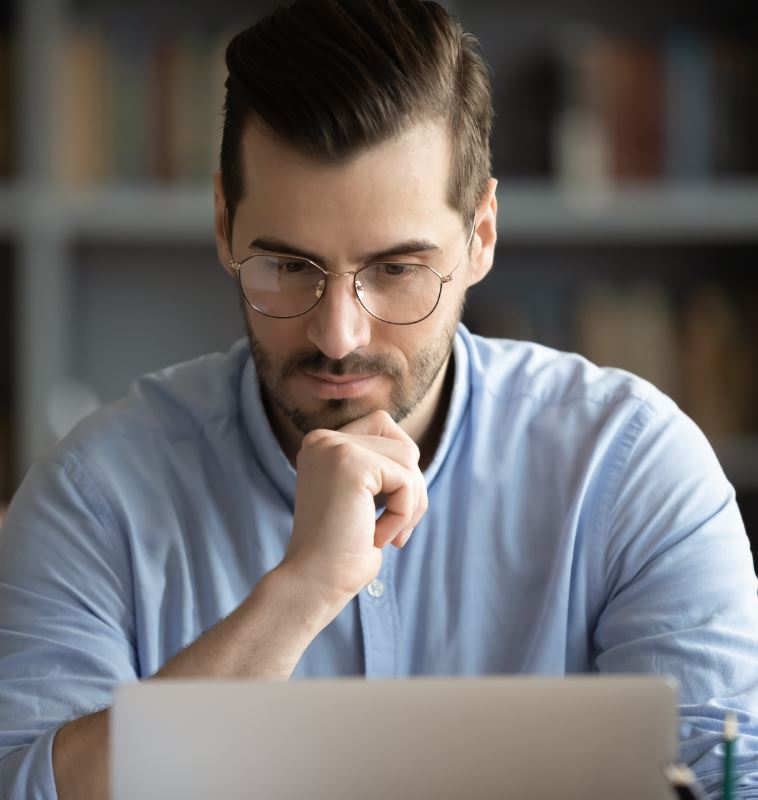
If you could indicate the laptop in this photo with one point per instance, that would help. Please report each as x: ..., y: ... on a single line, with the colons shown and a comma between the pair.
x: 527, y: 738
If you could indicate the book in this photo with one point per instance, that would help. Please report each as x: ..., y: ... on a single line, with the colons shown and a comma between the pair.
x: 192, y: 114
x: 631, y: 327
x: 689, y: 104
x: 163, y: 161
x: 184, y: 115
x: 581, y: 138
x: 80, y: 130
x: 127, y: 106
x: 717, y: 364
x: 525, y: 99
x: 633, y: 107
x: 735, y: 104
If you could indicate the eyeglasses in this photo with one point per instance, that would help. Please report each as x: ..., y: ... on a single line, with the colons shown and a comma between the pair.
x: 284, y: 286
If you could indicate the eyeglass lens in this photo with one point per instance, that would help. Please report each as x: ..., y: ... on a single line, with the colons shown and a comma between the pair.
x: 282, y: 286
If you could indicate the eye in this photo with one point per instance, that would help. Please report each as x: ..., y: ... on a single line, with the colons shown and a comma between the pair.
x: 292, y: 266
x: 392, y: 270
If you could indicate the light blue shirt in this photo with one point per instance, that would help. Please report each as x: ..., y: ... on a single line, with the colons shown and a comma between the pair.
x: 577, y: 522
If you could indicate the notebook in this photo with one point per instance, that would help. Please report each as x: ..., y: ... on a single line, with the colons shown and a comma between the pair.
x: 576, y: 738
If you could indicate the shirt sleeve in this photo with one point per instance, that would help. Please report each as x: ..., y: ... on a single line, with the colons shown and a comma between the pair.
x: 680, y: 587
x: 66, y: 619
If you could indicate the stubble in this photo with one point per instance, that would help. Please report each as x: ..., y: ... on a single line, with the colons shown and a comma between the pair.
x: 409, y: 385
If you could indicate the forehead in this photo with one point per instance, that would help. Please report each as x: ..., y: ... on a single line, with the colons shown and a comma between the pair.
x: 396, y: 188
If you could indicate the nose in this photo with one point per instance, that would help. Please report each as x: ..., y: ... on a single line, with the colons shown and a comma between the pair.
x: 339, y: 324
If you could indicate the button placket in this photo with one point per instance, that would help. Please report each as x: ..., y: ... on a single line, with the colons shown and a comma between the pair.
x: 379, y: 626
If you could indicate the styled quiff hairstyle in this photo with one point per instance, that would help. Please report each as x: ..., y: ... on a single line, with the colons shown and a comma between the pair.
x: 332, y: 77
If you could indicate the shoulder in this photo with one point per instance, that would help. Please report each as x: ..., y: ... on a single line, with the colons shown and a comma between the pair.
x: 507, y: 372
x: 179, y: 402
x: 574, y: 418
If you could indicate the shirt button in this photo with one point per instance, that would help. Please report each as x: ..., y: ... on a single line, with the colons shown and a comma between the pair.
x: 375, y: 588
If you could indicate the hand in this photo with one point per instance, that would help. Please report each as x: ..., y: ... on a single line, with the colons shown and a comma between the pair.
x: 337, y: 541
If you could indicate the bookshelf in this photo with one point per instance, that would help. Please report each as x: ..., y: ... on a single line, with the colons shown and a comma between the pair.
x: 67, y: 240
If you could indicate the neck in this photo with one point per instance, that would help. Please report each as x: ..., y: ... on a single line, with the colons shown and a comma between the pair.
x: 425, y: 423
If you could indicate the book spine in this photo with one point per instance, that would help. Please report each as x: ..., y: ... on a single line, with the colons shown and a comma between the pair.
x: 688, y: 90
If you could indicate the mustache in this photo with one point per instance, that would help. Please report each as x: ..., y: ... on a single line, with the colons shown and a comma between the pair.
x: 352, y: 364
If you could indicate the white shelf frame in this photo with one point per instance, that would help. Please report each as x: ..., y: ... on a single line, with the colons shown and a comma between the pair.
x: 528, y: 212
x: 42, y: 287
x: 725, y: 210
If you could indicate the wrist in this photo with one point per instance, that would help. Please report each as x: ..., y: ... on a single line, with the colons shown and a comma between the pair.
x: 291, y: 589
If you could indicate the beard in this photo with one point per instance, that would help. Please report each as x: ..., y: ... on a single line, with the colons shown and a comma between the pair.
x: 409, y: 386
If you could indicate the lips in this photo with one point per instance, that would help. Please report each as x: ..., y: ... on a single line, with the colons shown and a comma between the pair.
x: 338, y: 378
x: 338, y: 387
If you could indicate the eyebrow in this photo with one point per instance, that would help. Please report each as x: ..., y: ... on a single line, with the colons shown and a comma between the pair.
x: 405, y: 248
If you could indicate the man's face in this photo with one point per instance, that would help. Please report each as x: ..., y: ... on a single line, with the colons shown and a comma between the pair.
x: 337, y: 363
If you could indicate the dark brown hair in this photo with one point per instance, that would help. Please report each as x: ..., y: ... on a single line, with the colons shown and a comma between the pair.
x: 331, y: 77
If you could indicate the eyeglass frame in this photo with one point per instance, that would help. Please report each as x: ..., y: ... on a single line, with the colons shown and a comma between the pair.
x: 443, y: 279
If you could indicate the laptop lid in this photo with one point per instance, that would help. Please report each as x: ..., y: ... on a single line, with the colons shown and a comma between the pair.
x: 520, y: 737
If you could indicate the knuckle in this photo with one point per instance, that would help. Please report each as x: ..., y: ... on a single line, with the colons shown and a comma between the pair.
x: 415, y: 453
x: 312, y: 438
x: 344, y: 453
x: 312, y: 442
x: 382, y: 417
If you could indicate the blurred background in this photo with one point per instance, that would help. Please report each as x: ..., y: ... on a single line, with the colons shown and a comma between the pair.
x: 626, y: 145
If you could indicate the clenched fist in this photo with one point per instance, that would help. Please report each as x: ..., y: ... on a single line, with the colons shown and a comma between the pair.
x: 337, y: 542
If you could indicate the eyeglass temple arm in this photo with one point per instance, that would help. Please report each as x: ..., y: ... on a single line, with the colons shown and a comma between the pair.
x: 447, y: 278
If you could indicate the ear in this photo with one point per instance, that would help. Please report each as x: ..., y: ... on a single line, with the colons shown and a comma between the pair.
x: 219, y: 224
x: 485, y: 235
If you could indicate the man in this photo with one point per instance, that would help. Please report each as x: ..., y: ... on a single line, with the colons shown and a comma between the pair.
x: 545, y: 516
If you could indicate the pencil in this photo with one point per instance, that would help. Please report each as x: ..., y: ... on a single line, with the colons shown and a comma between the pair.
x: 730, y: 734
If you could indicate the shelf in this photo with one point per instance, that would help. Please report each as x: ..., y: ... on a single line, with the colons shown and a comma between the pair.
x: 528, y: 212
x: 162, y: 213
x: 165, y: 214
x: 675, y: 213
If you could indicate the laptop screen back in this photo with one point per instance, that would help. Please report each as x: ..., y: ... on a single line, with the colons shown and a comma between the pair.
x: 574, y: 738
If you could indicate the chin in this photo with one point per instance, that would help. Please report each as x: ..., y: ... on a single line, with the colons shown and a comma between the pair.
x: 331, y: 414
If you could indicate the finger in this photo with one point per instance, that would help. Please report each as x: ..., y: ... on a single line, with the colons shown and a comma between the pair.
x: 422, y: 505
x: 395, y: 520
x: 377, y: 423
x: 418, y: 493
x: 401, y: 508
x: 404, y: 452
x: 401, y: 540
x: 360, y: 454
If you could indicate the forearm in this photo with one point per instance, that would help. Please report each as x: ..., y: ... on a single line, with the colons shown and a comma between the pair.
x: 80, y: 758
x: 263, y: 638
